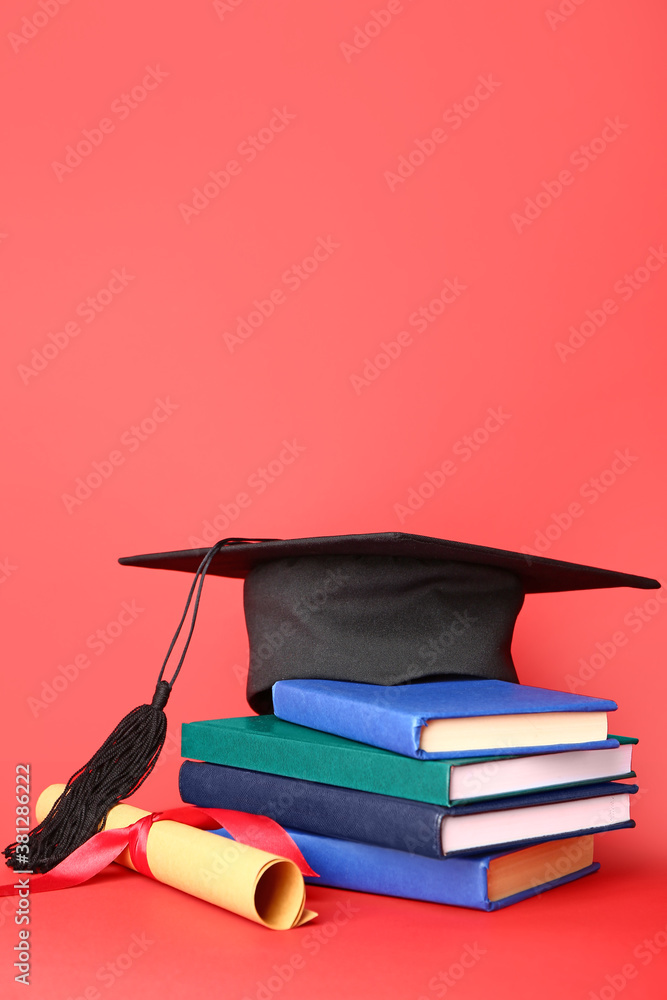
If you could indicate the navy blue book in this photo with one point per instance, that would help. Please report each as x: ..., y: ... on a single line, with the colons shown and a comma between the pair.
x: 404, y: 825
x: 482, y: 882
x: 448, y: 719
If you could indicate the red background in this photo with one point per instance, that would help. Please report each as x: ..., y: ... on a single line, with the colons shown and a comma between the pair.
x: 218, y: 74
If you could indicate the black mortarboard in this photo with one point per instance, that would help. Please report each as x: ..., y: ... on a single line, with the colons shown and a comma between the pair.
x: 385, y: 608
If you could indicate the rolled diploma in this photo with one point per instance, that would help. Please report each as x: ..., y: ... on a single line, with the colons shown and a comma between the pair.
x: 257, y: 885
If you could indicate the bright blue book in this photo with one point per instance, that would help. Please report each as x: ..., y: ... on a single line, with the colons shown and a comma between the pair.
x: 482, y: 882
x: 448, y: 719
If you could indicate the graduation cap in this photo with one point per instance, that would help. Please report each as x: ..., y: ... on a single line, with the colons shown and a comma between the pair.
x: 387, y: 608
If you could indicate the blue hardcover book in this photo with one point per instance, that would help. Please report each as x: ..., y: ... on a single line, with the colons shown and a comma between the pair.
x: 448, y: 719
x: 406, y: 825
x: 483, y: 882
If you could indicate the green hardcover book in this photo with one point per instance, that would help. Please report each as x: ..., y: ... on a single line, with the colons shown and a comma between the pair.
x: 265, y: 743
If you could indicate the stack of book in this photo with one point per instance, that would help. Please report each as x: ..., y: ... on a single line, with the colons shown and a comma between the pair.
x: 474, y: 793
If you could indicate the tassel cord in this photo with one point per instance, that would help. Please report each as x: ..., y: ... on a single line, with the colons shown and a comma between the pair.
x: 119, y: 767
x: 198, y: 585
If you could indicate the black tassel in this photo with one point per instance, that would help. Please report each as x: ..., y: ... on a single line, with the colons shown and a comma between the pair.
x: 119, y: 767
x: 116, y: 770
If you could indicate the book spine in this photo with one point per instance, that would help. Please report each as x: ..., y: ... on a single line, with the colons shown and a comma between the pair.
x: 382, y: 724
x: 328, y: 810
x: 452, y: 881
x: 349, y: 766
x: 366, y: 868
x: 379, y: 725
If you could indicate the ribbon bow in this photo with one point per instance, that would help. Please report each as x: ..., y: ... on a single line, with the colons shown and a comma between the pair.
x: 104, y: 847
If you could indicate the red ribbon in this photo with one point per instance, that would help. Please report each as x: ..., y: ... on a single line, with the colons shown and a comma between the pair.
x: 104, y: 847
